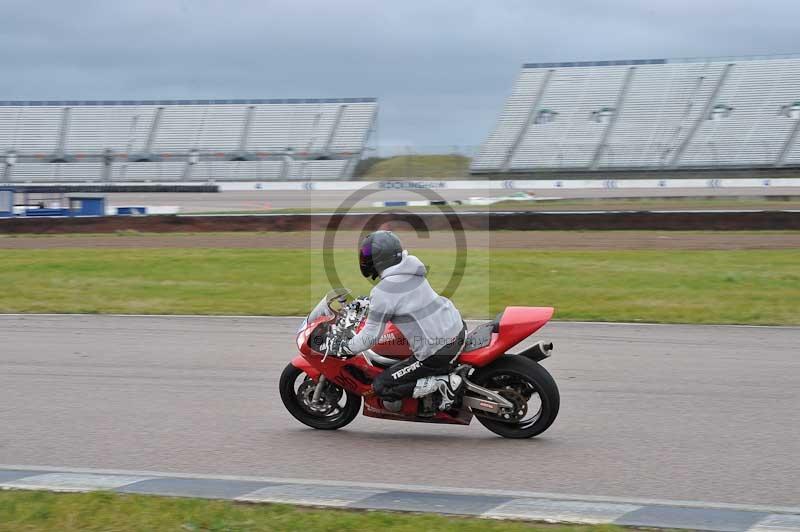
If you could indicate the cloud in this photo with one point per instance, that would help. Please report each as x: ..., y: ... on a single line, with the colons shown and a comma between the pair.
x: 440, y: 69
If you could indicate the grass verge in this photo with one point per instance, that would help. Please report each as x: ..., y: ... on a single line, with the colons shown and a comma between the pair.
x: 427, y: 166
x: 746, y: 287
x: 22, y: 511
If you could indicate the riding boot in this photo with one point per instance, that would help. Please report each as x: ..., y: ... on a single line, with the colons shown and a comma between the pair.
x: 447, y: 385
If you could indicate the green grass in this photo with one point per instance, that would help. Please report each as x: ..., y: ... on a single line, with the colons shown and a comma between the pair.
x: 418, y: 166
x: 22, y: 511
x: 748, y: 287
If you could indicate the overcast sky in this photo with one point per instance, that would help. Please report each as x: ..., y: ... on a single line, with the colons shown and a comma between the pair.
x: 440, y: 69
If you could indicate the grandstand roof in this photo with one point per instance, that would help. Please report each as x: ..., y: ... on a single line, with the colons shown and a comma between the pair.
x: 256, y: 101
x: 618, y: 62
x: 659, y: 61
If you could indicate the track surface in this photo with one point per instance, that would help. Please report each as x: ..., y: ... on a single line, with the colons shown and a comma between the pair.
x: 671, y: 412
x: 332, y: 199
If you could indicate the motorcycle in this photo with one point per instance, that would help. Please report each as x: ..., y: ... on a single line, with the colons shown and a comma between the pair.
x: 512, y: 395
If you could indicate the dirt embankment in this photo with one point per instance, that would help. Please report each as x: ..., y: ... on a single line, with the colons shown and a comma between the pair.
x: 470, y: 221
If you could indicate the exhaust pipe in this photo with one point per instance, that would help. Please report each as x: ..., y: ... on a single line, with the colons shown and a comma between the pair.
x: 538, y: 351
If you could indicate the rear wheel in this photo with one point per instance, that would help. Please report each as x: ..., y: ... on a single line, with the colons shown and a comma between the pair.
x: 334, y: 409
x: 527, y: 385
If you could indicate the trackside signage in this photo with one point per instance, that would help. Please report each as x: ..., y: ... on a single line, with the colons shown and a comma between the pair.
x: 469, y: 184
x: 511, y: 184
x: 412, y: 184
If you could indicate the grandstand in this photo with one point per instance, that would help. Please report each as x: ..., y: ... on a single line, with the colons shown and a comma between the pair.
x: 653, y: 114
x: 190, y: 140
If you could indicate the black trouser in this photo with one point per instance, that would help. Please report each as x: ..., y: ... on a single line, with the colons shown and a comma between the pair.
x: 398, y: 381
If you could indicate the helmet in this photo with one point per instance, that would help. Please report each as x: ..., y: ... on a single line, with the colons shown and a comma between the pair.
x: 378, y: 251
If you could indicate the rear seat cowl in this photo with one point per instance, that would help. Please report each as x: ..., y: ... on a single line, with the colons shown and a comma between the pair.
x: 480, y: 336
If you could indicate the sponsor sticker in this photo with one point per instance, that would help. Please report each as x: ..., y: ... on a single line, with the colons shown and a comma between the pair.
x: 406, y: 370
x: 411, y: 184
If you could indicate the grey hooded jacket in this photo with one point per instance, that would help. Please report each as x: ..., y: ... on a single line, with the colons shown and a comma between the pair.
x: 403, y: 296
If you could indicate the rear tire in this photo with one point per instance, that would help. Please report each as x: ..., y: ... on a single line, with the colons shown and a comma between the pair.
x: 519, y: 368
x: 339, y: 416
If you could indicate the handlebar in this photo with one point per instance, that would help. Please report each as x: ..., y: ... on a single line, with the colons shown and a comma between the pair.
x: 347, y: 317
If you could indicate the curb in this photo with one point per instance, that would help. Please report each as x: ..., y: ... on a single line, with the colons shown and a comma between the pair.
x: 489, y: 505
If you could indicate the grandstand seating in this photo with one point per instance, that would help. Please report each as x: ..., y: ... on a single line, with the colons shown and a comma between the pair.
x: 184, y: 140
x: 648, y: 114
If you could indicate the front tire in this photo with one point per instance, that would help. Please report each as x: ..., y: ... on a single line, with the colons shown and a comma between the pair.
x: 336, y: 409
x: 520, y: 378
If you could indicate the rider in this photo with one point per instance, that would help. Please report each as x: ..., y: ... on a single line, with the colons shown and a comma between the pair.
x: 429, y: 322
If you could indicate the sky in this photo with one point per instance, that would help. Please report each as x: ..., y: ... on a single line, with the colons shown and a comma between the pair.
x: 440, y: 70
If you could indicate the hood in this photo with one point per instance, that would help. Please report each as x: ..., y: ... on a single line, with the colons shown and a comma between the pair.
x: 409, y: 265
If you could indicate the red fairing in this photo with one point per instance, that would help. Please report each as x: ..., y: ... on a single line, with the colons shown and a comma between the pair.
x: 392, y: 343
x: 341, y: 371
x: 353, y: 374
x: 516, y: 324
x: 305, y: 332
x: 350, y: 374
x: 305, y: 366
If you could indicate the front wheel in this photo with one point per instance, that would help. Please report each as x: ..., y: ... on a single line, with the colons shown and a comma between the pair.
x: 334, y: 409
x: 526, y: 384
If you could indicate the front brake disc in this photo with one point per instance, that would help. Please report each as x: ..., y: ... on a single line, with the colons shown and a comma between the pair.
x: 306, y: 393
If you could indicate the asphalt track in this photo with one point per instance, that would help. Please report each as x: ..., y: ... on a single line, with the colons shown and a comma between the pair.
x: 333, y: 199
x: 659, y: 411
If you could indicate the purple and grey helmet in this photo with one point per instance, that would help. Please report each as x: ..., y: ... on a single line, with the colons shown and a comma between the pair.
x: 378, y: 251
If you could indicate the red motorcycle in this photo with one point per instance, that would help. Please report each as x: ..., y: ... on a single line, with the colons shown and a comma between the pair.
x: 511, y: 394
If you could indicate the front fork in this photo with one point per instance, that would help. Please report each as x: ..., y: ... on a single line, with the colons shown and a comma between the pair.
x: 318, y: 389
x: 303, y: 365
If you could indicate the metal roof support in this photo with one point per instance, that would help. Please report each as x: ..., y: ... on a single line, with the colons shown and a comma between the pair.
x: 787, y: 145
x: 151, y: 135
x: 63, y: 131
x: 108, y: 161
x: 313, y: 137
x: 531, y: 115
x: 334, y: 128
x: 349, y: 168
x: 187, y: 171
x: 608, y: 132
x: 701, y: 117
x: 9, y: 162
x: 286, y: 168
x: 248, y: 120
